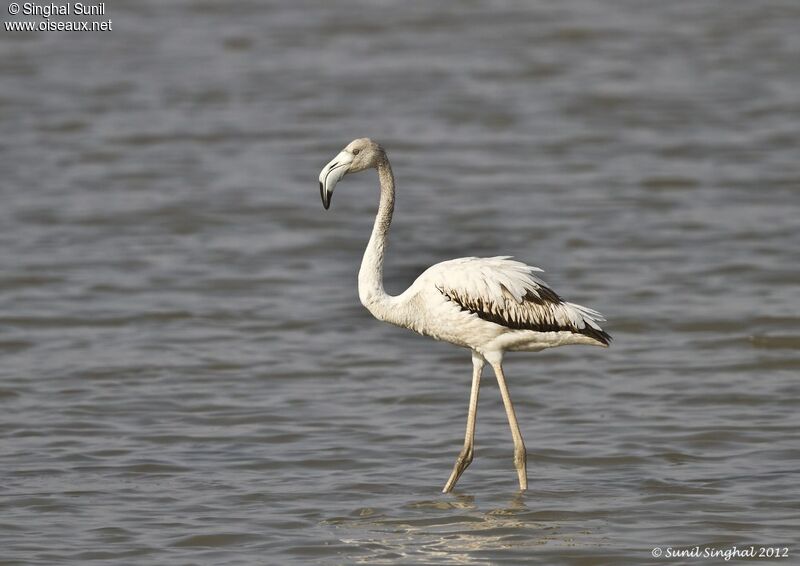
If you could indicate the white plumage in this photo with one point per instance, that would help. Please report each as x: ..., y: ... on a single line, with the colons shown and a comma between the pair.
x: 489, y: 305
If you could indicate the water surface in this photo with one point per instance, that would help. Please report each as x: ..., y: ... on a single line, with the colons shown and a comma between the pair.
x: 188, y: 377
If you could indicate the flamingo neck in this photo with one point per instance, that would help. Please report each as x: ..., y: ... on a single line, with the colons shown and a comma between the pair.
x: 370, y: 276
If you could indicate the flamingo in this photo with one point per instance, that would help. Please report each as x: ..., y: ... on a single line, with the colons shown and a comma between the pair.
x: 490, y: 305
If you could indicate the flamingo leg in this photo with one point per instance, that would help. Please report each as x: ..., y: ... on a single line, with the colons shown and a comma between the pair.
x: 520, y: 455
x: 465, y: 456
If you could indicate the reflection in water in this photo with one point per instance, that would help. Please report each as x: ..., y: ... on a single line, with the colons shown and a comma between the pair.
x: 455, y: 531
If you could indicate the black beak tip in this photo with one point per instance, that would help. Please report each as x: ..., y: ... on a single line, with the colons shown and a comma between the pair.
x: 326, y: 203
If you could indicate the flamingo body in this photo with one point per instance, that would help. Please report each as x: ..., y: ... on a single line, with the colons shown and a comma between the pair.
x: 492, y: 304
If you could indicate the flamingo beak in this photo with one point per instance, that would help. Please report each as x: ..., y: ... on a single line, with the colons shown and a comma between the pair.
x: 331, y: 174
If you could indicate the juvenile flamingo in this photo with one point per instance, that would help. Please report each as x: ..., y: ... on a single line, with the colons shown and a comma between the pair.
x: 489, y: 305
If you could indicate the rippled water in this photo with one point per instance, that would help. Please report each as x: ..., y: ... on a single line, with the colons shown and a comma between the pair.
x: 187, y: 374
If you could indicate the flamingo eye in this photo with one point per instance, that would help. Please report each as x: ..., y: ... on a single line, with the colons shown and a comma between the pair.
x: 356, y: 151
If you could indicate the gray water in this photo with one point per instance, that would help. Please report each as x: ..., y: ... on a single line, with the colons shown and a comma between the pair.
x: 188, y: 376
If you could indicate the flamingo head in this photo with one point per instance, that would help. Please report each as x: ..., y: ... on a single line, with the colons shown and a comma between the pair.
x: 359, y: 155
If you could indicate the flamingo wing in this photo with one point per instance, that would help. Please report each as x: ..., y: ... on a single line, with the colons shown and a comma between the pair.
x: 509, y: 293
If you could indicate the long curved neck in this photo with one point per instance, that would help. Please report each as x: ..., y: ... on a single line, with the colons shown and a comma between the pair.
x: 370, y: 276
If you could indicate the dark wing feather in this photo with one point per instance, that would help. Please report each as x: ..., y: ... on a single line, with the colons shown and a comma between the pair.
x: 534, y: 306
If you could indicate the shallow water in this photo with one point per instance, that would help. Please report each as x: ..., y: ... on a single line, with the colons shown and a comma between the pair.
x: 188, y: 377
